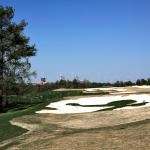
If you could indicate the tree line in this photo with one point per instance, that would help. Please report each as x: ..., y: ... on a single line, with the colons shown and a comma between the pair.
x: 87, y: 84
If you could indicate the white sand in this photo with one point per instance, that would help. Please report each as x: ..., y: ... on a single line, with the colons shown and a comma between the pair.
x: 142, y: 87
x: 106, y: 89
x: 63, y: 108
x: 133, y: 92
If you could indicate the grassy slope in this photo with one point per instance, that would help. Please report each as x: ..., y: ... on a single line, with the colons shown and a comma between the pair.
x: 27, y: 105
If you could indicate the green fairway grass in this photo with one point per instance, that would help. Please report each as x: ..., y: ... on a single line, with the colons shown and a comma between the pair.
x: 27, y: 105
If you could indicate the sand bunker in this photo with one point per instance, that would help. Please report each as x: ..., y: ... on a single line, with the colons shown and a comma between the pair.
x: 106, y: 89
x: 83, y: 105
x: 126, y: 92
x: 142, y: 87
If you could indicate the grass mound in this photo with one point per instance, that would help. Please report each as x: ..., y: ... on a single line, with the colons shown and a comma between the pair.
x: 28, y: 105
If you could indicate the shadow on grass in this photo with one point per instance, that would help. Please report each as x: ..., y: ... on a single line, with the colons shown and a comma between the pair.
x: 113, y: 105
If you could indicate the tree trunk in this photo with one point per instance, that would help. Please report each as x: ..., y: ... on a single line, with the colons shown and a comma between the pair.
x: 1, y: 93
x: 1, y: 103
x: 1, y: 79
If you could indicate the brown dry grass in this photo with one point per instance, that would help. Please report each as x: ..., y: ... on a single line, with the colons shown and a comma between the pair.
x: 109, y: 130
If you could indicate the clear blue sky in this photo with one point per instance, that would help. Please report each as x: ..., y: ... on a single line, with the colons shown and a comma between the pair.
x: 100, y: 40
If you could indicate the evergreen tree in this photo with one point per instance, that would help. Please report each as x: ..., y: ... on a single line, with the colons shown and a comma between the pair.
x: 138, y: 82
x: 15, y: 52
x: 148, y: 81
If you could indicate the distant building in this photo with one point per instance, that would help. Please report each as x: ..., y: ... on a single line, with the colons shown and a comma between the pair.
x: 77, y: 78
x: 43, y: 79
x: 62, y: 77
x: 41, y: 83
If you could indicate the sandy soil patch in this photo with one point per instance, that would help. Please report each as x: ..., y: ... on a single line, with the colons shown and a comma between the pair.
x: 120, y: 130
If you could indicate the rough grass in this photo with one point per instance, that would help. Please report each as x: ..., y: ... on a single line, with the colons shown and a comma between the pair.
x: 27, y: 105
x: 6, y: 129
